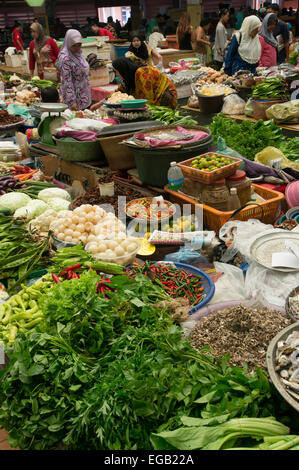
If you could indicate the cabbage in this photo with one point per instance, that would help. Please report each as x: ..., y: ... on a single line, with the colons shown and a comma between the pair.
x: 14, y: 200
x: 58, y: 204
x: 51, y: 193
x: 32, y: 210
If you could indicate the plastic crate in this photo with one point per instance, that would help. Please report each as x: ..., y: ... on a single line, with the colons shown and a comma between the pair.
x: 211, y: 176
x: 214, y: 219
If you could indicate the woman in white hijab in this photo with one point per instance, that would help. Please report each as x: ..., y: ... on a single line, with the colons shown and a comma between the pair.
x: 245, y: 49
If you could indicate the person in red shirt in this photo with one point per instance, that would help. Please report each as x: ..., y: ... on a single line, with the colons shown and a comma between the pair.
x: 43, y: 50
x: 101, y: 31
x: 17, y: 38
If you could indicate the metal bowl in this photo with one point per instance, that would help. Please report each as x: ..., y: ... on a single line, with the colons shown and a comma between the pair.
x: 270, y: 359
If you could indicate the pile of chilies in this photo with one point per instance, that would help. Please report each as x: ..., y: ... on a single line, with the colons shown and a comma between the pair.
x: 69, y: 273
x: 176, y: 282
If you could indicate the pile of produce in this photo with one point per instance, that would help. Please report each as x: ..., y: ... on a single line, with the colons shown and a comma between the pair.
x: 8, y: 183
x: 146, y: 209
x: 210, y: 162
x: 293, y: 59
x: 6, y: 118
x: 21, y: 252
x: 170, y: 116
x: 117, y: 97
x: 287, y: 363
x: 214, y: 90
x: 25, y: 97
x: 37, y: 82
x: 248, y: 138
x: 212, y: 76
x: 197, y: 434
x: 176, y: 282
x: 93, y: 196
x: 290, y: 148
x: 86, y: 224
x: 94, y: 62
x: 105, y: 374
x: 272, y: 88
x: 242, y: 332
x: 120, y: 250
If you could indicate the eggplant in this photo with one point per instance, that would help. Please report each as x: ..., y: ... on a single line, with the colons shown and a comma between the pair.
x: 2, y: 192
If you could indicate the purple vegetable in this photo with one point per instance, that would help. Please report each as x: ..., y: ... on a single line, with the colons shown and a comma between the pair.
x: 11, y: 184
x: 2, y: 192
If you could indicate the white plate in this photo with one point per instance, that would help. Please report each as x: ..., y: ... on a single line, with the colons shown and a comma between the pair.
x: 51, y: 107
x: 264, y: 246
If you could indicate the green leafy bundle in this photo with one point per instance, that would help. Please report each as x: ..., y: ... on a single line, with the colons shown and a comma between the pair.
x: 290, y: 148
x: 248, y: 138
x: 100, y: 374
x: 272, y: 88
x: 170, y: 116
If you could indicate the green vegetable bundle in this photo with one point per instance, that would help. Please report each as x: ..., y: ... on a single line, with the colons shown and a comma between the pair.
x: 293, y: 59
x: 272, y: 88
x: 20, y: 252
x: 290, y: 148
x: 105, y: 374
x: 42, y: 83
x: 170, y: 116
x: 248, y: 138
x: 195, y: 436
x: 21, y: 312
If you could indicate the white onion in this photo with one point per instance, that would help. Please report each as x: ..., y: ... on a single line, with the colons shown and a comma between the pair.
x: 91, y: 238
x: 119, y: 251
x: 81, y: 228
x: 68, y: 238
x: 75, y: 219
x: 60, y: 236
x: 131, y: 247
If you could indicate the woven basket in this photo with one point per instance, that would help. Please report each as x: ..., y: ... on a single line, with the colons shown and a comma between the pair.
x: 211, y: 176
x: 288, y: 307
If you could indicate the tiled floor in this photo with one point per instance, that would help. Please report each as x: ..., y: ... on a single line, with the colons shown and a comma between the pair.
x: 4, y: 445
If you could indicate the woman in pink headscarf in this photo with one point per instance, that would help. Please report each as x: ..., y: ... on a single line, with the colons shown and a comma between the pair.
x: 74, y: 71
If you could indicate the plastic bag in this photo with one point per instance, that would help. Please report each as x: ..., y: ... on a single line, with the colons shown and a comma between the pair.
x: 240, y: 235
x: 193, y: 100
x: 231, y: 286
x: 186, y: 256
x: 233, y: 104
x: 159, y: 66
x: 224, y: 150
x: 283, y: 112
x: 248, y: 110
x: 269, y: 287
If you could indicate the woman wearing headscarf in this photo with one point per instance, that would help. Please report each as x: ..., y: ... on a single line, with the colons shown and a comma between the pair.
x: 244, y: 51
x: 144, y: 83
x: 141, y: 53
x: 43, y: 50
x: 74, y: 70
x: 268, y: 42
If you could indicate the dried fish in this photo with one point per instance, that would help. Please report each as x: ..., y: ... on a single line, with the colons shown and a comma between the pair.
x: 242, y: 332
x: 287, y: 362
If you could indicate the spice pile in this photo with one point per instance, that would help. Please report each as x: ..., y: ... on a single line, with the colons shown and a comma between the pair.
x: 6, y: 118
x: 243, y: 333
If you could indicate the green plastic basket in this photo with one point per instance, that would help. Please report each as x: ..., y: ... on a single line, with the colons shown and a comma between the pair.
x: 80, y: 151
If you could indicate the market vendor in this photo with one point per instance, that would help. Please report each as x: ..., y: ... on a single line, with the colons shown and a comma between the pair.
x: 144, y: 83
x: 17, y: 38
x: 102, y: 31
x: 74, y: 70
x: 43, y: 50
x: 244, y: 52
x: 268, y: 42
x: 141, y: 53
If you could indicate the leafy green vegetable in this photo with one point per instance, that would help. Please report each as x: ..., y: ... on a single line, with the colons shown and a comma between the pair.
x: 274, y: 88
x: 217, y: 437
x: 293, y: 59
x: 100, y: 374
x: 170, y: 116
x: 290, y: 148
x: 248, y: 138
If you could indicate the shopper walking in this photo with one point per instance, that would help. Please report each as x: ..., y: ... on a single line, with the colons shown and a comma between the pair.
x: 244, y: 52
x: 268, y: 42
x: 185, y: 33
x: 74, y: 70
x: 43, y: 50
x: 221, y: 38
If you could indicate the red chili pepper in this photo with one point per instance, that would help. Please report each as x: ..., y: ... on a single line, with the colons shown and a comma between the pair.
x: 72, y: 268
x: 55, y: 279
x: 69, y: 275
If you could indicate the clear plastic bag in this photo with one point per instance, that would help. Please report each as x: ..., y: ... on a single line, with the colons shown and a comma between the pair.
x: 230, y: 286
x: 186, y: 256
x: 193, y: 100
x: 233, y: 104
x: 248, y: 110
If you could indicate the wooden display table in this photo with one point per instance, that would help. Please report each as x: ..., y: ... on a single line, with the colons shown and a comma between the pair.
x: 174, y: 55
x: 20, y: 71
